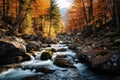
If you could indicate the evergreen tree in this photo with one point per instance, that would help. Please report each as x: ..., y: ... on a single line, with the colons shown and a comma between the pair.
x: 54, y: 15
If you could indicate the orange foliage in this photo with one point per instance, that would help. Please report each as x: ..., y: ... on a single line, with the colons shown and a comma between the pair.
x: 14, y: 5
x: 76, y: 14
x: 40, y: 7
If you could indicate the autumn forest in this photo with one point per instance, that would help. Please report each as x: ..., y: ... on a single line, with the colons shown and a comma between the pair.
x: 39, y: 40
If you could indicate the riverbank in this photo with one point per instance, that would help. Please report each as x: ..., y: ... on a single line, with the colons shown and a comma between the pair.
x: 14, y: 50
x: 101, y: 51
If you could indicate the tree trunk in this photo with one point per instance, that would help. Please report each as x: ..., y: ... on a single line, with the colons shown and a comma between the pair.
x: 85, y: 16
x: 8, y: 7
x: 115, y: 10
x: 50, y: 19
x: 4, y: 10
x: 92, y: 15
x: 117, y: 13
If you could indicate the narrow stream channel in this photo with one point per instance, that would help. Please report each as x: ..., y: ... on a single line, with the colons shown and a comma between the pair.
x: 28, y: 68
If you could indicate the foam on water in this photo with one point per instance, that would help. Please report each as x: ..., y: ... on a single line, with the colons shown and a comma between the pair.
x: 36, y: 63
x: 16, y: 74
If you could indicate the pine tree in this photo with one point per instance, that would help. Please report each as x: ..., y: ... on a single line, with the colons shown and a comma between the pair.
x: 54, y: 15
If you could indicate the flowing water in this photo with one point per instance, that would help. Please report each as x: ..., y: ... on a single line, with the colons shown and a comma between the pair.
x: 28, y: 68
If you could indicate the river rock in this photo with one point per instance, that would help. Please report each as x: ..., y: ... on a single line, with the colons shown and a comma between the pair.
x: 36, y: 77
x: 48, y: 41
x: 26, y: 57
x: 52, y: 50
x: 29, y: 37
x: 8, y: 60
x: 46, y: 55
x: 62, y: 50
x: 12, y: 50
x: 14, y: 59
x: 9, y: 48
x: 72, y: 46
x: 61, y: 56
x: 44, y: 70
x: 33, y: 45
x: 46, y: 45
x: 116, y: 42
x: 61, y: 61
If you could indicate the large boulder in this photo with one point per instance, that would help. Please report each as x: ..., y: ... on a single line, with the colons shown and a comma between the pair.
x: 14, y: 59
x: 11, y: 47
x: 12, y: 50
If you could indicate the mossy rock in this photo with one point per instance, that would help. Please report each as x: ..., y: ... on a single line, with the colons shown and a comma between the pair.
x: 46, y: 55
x: 52, y: 50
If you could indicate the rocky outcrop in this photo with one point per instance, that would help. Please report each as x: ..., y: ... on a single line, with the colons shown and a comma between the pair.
x: 111, y: 63
x: 101, y: 51
x: 103, y: 57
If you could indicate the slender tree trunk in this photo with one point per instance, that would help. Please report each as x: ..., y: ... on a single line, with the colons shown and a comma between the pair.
x: 49, y: 32
x: 110, y: 8
x: 50, y: 27
x: 8, y: 7
x: 4, y: 10
x: 17, y: 9
x: 85, y: 16
x: 117, y: 13
x: 44, y: 22
x: 92, y: 15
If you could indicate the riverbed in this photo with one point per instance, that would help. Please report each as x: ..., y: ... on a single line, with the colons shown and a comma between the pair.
x: 28, y: 69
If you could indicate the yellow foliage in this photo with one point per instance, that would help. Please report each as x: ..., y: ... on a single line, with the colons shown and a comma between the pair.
x: 28, y: 29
